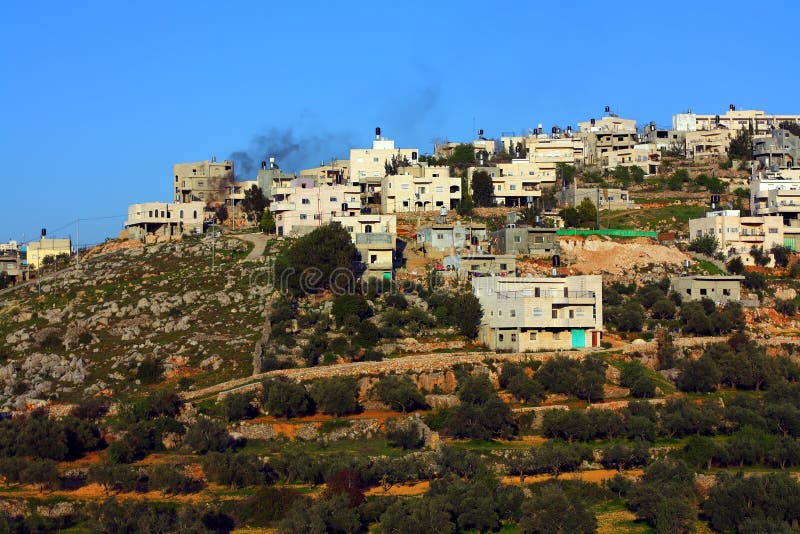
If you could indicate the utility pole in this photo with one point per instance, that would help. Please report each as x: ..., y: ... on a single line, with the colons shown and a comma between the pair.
x: 213, y: 243
x: 233, y: 206
x: 598, y: 208
x: 78, y: 242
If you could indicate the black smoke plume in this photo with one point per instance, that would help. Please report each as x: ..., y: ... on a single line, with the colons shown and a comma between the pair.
x: 290, y: 150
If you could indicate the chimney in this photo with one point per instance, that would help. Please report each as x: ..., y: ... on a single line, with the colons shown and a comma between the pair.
x: 263, y: 165
x: 378, y: 132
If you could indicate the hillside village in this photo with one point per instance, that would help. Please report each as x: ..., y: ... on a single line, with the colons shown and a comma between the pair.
x: 578, y: 329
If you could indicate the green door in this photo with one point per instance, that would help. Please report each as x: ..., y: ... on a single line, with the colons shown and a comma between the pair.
x: 789, y: 242
x: 578, y: 338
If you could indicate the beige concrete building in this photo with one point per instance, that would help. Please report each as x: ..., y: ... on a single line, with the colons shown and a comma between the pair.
x: 336, y: 172
x: 531, y: 314
x: 720, y: 289
x: 203, y: 181
x: 733, y: 120
x: 419, y: 188
x: 369, y: 165
x: 375, y: 238
x: 607, y: 198
x: 304, y: 206
x: 159, y: 221
x: 37, y: 251
x: 737, y: 235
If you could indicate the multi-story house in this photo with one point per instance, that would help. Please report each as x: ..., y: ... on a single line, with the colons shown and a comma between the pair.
x: 526, y: 240
x: 37, y: 251
x: 419, y: 188
x: 607, y: 139
x: 270, y: 175
x: 369, y: 165
x: 11, y: 261
x: 203, y: 181
x: 781, y: 149
x: 736, y: 235
x: 733, y: 119
x: 303, y: 205
x: 777, y: 193
x: 375, y: 238
x: 530, y: 314
x: 154, y: 221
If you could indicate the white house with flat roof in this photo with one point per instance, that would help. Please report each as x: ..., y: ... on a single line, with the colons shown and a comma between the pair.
x: 529, y: 314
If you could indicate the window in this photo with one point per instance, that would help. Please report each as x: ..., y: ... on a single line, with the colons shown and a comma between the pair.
x: 726, y: 292
x: 404, y: 187
x: 306, y: 201
x: 533, y: 336
x: 513, y: 313
x: 150, y: 213
x: 181, y: 214
x: 537, y: 292
x: 333, y: 199
x: 499, y: 337
x: 422, y: 190
x: 512, y: 187
x: 303, y: 216
x: 517, y: 239
x: 503, y: 267
x: 439, y: 236
x: 439, y: 189
x: 703, y: 291
x: 316, y: 217
x: 556, y: 335
x: 195, y: 214
x: 368, y: 229
x: 537, y: 312
x: 373, y: 258
x: 349, y: 229
x: 555, y: 313
x: 374, y: 160
x: 513, y: 338
x: 773, y: 230
x: 475, y: 267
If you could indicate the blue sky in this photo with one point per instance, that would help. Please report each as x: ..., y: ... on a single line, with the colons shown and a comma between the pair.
x: 99, y: 99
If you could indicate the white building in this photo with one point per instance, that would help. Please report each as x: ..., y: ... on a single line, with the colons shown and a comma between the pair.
x: 529, y: 314
x: 154, y: 221
x: 304, y: 206
x: 737, y: 235
x: 420, y: 188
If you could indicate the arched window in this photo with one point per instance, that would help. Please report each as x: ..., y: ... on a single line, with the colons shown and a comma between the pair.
x: 368, y: 229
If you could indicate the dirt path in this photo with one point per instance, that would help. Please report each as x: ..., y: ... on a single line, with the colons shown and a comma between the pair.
x: 597, y: 476
x: 259, y: 242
